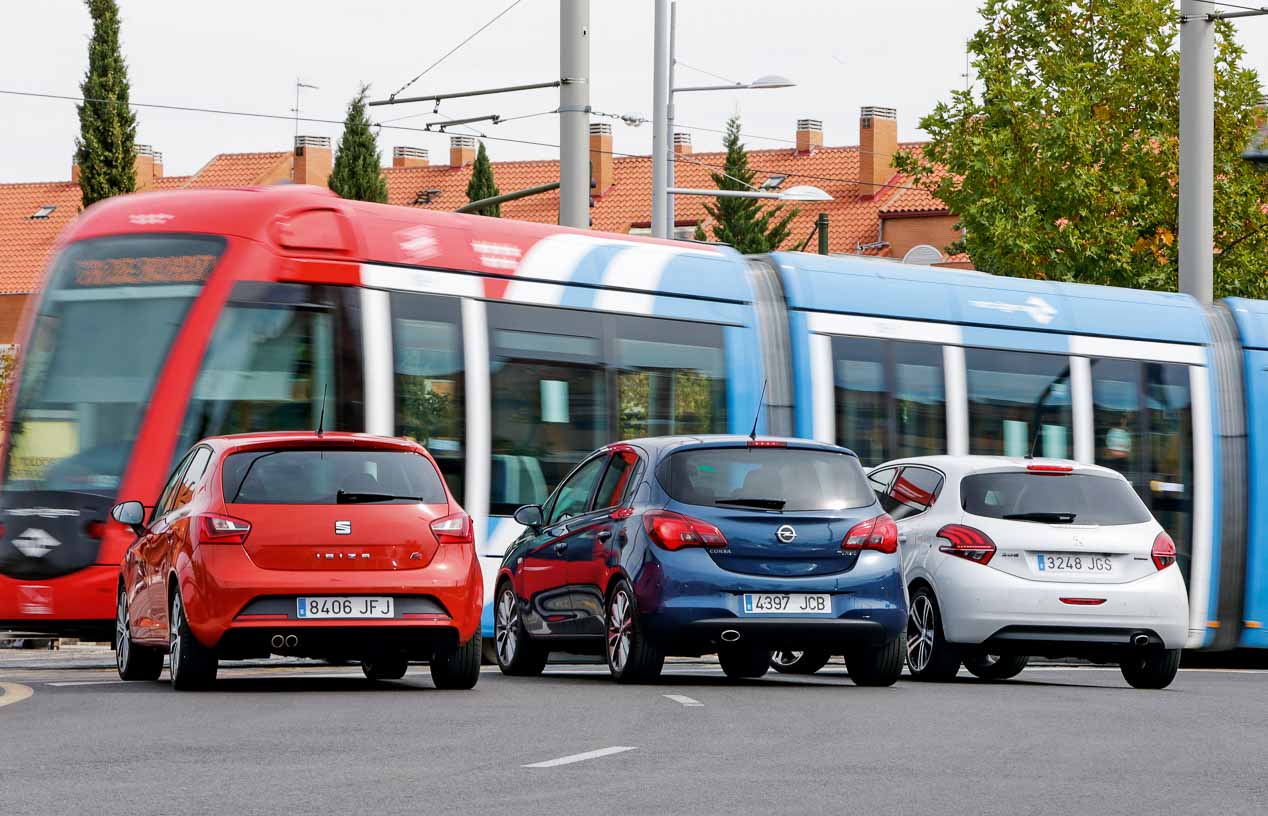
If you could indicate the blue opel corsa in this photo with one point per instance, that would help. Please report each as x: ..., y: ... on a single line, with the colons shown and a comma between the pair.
x: 711, y: 544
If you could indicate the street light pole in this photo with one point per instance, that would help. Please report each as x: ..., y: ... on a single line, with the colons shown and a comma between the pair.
x: 1197, y: 149
x: 574, y: 113
x: 670, y: 154
x: 660, y: 107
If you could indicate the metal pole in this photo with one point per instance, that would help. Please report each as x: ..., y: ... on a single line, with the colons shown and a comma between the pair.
x: 671, y: 153
x: 1197, y: 149
x: 660, y: 107
x: 472, y: 206
x: 574, y: 113
x: 822, y: 225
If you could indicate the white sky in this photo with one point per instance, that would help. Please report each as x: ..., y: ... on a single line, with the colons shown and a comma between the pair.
x: 242, y: 55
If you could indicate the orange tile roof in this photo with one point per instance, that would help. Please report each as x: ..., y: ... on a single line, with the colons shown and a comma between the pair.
x: 240, y: 169
x: 25, y: 241
x: 913, y: 200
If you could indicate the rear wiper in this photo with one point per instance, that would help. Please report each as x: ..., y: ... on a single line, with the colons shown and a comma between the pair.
x: 762, y: 504
x: 1050, y: 518
x: 345, y: 497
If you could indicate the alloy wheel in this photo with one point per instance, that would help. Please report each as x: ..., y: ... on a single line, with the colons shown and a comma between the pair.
x: 122, y: 638
x: 174, y: 633
x: 506, y: 627
x: 920, y: 633
x: 787, y: 658
x: 620, y: 624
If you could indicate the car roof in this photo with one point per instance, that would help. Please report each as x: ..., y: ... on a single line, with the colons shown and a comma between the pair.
x: 664, y: 444
x: 310, y: 439
x: 965, y: 465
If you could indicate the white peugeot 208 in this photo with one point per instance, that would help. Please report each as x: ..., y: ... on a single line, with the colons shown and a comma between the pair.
x: 1008, y: 558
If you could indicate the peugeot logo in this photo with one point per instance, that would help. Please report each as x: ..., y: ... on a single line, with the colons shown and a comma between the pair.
x: 786, y: 534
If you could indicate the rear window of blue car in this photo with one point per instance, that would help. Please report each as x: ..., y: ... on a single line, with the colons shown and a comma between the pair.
x: 330, y: 476
x: 780, y: 479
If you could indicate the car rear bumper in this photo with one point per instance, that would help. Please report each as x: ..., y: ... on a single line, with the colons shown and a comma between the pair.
x: 979, y: 604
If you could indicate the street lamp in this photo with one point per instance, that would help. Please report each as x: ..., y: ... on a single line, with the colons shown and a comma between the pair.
x: 802, y: 192
x: 663, y: 115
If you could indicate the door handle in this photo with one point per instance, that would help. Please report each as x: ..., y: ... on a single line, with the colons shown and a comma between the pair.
x: 604, y: 535
x: 902, y: 538
x: 561, y: 546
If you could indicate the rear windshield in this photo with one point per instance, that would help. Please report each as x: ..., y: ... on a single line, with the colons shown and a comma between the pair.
x: 317, y: 476
x: 1075, y: 498
x: 788, y: 479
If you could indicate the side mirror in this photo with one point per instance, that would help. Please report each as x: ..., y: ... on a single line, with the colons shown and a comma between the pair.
x: 131, y: 513
x: 530, y: 515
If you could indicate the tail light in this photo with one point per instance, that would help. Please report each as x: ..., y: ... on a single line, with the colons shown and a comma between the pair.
x: 967, y: 542
x: 674, y: 531
x: 879, y: 533
x: 1164, y: 551
x: 453, y: 529
x: 94, y: 529
x: 1051, y: 469
x: 215, y: 529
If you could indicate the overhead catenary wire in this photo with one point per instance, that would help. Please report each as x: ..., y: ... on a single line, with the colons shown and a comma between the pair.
x: 454, y: 50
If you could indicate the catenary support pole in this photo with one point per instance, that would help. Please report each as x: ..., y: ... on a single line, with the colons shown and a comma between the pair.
x: 822, y: 226
x: 660, y: 105
x: 574, y: 113
x: 671, y: 154
x: 1197, y: 149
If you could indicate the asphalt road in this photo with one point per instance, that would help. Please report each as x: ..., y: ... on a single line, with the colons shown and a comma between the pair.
x: 310, y: 739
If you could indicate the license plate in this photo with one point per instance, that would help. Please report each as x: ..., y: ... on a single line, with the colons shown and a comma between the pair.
x: 1075, y: 563
x: 344, y: 607
x: 792, y: 603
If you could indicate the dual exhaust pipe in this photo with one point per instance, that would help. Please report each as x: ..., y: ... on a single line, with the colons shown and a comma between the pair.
x: 289, y: 641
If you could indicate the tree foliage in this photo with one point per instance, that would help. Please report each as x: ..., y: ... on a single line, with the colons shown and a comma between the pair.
x: 106, y: 147
x: 1065, y: 166
x: 745, y: 223
x: 357, y: 173
x: 481, y: 184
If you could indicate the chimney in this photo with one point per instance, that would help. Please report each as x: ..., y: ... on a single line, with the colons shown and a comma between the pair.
x: 313, y: 160
x: 601, y: 156
x: 809, y: 135
x: 878, y: 142
x: 462, y: 150
x: 74, y: 167
x: 682, y: 144
x: 148, y: 166
x: 409, y: 157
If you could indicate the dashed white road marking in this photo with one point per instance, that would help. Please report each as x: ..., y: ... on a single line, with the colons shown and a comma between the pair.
x: 85, y: 683
x: 13, y: 693
x: 568, y: 760
x: 684, y: 699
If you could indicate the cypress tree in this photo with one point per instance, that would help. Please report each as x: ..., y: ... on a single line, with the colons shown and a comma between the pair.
x: 106, y: 147
x: 357, y: 174
x: 745, y: 223
x: 482, y: 186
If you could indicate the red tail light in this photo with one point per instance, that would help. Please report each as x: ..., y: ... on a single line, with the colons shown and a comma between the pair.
x: 879, y: 533
x: 215, y: 529
x: 94, y: 529
x: 1053, y: 469
x: 1164, y: 551
x: 453, y: 529
x: 967, y: 542
x: 674, y: 531
x: 767, y: 443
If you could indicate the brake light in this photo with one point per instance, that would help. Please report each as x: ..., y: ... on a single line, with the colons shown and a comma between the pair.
x: 967, y: 542
x: 214, y: 529
x: 94, y: 529
x: 453, y: 529
x: 1164, y: 551
x: 879, y: 533
x: 674, y: 531
x: 766, y: 443
x: 1053, y: 469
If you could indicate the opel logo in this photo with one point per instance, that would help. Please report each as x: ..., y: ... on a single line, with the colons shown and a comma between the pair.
x: 786, y: 534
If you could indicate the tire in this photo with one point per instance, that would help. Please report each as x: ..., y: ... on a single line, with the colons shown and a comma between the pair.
x: 193, y: 665
x: 876, y: 665
x: 929, y: 656
x: 995, y: 667
x: 631, y: 657
x: 744, y: 663
x: 1152, y: 668
x: 790, y: 662
x: 457, y: 668
x: 134, y: 661
x: 516, y: 653
x: 385, y: 667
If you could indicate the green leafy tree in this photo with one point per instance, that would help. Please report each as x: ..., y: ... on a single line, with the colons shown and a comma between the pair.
x: 482, y: 186
x: 357, y: 174
x: 745, y: 223
x: 1065, y: 166
x: 106, y: 148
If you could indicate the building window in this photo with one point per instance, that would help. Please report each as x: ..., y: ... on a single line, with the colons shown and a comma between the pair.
x: 43, y: 212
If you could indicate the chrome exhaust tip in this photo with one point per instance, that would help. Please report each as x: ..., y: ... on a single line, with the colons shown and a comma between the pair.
x: 1140, y: 640
x: 730, y: 636
x: 291, y: 641
x: 277, y: 641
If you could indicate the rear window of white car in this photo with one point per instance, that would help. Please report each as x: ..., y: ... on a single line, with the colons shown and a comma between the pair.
x: 1066, y: 498
x: 326, y: 476
x: 766, y: 478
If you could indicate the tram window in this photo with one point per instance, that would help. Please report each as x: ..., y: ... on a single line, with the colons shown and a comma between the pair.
x: 430, y: 387
x: 549, y: 406
x: 276, y: 351
x: 1016, y: 396
x: 670, y: 377
x: 890, y: 398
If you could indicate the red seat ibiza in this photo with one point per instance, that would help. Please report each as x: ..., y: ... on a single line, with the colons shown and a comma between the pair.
x: 336, y: 546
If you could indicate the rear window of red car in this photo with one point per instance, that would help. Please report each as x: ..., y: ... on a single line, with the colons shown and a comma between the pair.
x: 330, y: 476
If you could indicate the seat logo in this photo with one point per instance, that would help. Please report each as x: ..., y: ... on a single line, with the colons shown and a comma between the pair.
x: 786, y: 534
x: 343, y: 528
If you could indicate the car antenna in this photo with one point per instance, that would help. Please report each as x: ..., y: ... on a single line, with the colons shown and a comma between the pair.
x: 752, y: 437
x: 321, y: 419
x: 1035, y: 442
